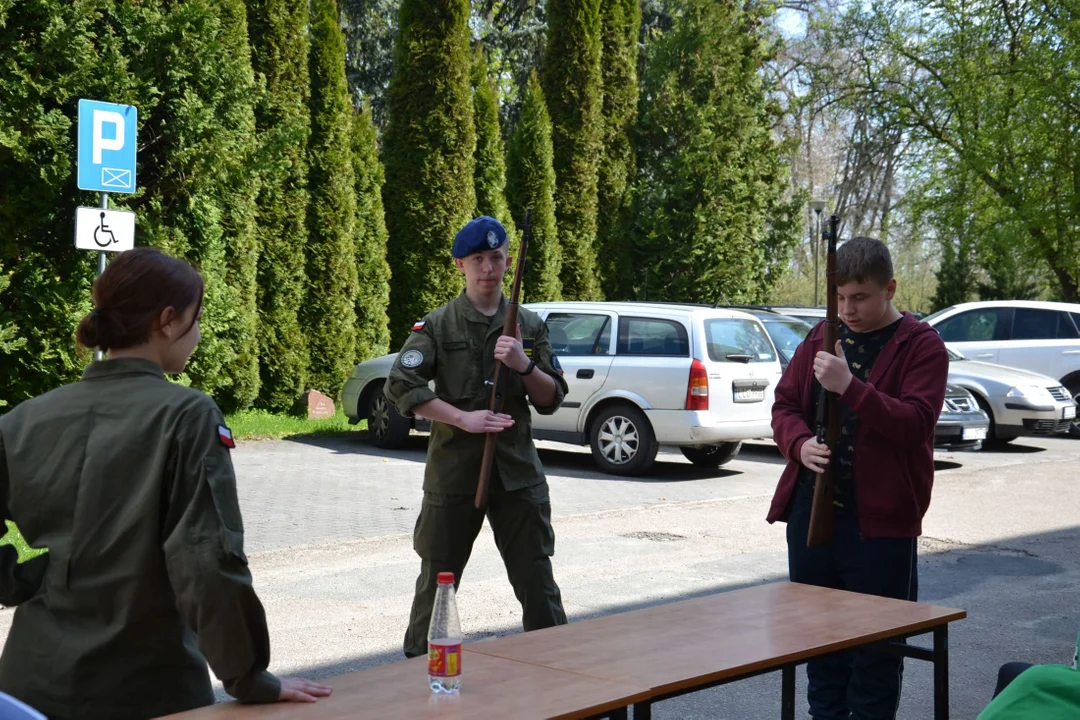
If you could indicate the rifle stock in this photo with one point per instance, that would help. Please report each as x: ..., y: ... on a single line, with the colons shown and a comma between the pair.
x: 828, y: 412
x: 496, y: 402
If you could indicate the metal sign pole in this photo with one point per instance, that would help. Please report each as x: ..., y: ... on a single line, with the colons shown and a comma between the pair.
x: 98, y: 355
x: 106, y: 162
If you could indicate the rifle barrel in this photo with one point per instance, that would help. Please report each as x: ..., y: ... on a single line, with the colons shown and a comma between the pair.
x: 821, y: 509
x: 495, y: 404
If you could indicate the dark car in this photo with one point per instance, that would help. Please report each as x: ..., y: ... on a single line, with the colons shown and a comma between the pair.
x: 786, y: 333
x: 962, y: 425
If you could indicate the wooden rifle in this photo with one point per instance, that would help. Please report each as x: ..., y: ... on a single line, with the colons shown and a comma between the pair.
x: 828, y: 410
x: 497, y: 383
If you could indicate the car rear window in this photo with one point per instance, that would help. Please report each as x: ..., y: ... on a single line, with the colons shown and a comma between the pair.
x: 737, y: 340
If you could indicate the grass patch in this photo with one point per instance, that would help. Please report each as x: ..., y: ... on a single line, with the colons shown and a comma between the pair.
x: 262, y: 425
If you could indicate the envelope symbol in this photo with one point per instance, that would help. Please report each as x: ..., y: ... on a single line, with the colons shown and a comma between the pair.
x: 115, y: 178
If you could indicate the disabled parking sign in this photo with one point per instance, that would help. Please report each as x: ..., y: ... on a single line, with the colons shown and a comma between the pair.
x: 104, y: 230
x: 107, y: 137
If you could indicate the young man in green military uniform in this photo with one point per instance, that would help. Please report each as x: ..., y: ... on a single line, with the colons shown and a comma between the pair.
x: 457, y: 346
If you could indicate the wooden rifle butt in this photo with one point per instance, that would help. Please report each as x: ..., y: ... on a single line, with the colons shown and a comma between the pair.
x: 481, y: 499
x: 821, y: 512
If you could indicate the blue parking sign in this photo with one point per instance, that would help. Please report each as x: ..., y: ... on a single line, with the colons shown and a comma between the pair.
x: 107, y: 137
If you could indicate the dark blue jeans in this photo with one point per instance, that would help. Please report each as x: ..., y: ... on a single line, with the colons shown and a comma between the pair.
x: 862, y: 685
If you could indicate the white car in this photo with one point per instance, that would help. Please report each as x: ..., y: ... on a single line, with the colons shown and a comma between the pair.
x: 1018, y: 402
x: 641, y: 375
x: 1041, y: 337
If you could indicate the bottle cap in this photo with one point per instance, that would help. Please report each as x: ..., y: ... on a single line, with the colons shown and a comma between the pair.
x: 446, y: 578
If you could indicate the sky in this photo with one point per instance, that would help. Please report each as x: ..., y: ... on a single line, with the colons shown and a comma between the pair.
x: 792, y: 23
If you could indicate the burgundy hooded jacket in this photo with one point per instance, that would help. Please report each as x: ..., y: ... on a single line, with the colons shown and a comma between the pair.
x: 897, y: 409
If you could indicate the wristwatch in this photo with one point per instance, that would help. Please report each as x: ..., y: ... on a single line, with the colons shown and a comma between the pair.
x: 532, y: 365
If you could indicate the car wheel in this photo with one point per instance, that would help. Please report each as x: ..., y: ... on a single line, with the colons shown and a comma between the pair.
x: 622, y: 441
x: 992, y: 437
x: 387, y: 428
x: 712, y: 456
x: 1074, y: 390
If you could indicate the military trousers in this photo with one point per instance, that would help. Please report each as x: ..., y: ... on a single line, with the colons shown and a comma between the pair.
x: 521, y: 523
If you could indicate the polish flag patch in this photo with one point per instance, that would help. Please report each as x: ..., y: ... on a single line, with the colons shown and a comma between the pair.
x: 419, y: 325
x: 225, y: 435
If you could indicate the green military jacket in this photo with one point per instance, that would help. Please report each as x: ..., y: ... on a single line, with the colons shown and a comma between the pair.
x: 455, y: 346
x: 126, y: 478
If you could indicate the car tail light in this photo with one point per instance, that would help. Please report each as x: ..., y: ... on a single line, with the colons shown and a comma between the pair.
x: 697, y: 392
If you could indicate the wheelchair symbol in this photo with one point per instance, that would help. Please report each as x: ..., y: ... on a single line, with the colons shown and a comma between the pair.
x: 104, y: 231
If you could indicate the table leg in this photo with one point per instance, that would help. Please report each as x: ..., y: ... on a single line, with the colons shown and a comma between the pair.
x: 787, y: 692
x: 643, y: 711
x: 941, y: 672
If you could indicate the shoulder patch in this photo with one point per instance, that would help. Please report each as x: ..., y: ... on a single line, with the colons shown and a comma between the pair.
x: 555, y: 364
x: 225, y: 436
x: 419, y: 325
x: 412, y: 358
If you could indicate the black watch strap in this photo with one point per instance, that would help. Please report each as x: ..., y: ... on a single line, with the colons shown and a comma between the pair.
x: 532, y: 366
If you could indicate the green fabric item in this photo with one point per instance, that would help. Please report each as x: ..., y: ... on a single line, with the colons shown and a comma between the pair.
x: 1044, y: 692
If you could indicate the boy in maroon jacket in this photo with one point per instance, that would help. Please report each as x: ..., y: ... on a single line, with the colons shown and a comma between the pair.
x: 890, y: 371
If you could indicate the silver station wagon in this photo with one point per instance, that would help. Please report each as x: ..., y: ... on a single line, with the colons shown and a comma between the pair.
x: 641, y: 375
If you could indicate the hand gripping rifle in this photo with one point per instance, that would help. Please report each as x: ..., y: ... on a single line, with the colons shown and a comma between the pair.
x: 828, y: 411
x: 497, y: 383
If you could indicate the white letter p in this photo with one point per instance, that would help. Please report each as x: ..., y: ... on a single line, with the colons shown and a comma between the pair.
x: 101, y: 143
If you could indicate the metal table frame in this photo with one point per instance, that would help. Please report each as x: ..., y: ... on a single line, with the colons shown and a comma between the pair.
x: 938, y: 655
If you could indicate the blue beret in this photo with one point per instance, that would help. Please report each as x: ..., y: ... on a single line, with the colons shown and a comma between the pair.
x: 479, y: 234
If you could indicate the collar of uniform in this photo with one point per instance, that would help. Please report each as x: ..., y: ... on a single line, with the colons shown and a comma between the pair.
x: 122, y: 366
x: 473, y: 315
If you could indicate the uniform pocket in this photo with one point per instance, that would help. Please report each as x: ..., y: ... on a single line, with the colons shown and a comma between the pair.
x: 222, y: 487
x: 223, y: 491
x: 454, y: 381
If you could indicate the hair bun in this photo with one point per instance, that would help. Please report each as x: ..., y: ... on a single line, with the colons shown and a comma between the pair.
x: 91, y: 332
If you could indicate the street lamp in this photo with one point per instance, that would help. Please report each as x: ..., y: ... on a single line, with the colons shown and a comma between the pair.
x: 817, y: 206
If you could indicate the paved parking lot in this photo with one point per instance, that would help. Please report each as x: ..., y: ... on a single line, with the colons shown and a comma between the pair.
x: 1001, y: 541
x: 334, y: 490
x: 329, y: 536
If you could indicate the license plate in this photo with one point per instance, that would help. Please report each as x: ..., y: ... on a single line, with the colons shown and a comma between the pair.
x: 974, y: 433
x: 1068, y: 413
x: 749, y: 395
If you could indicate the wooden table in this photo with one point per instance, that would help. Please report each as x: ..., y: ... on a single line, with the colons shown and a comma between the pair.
x: 692, y: 645
x: 492, y: 689
x: 599, y: 667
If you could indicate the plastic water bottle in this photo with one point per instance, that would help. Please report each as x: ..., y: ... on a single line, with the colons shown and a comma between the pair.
x: 444, y: 639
